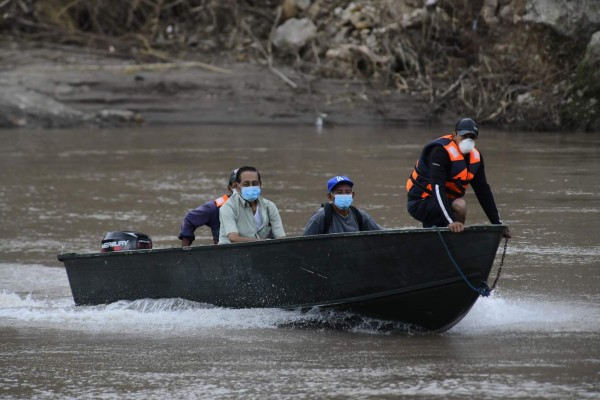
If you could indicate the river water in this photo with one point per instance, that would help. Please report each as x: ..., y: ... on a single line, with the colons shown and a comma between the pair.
x: 536, y: 337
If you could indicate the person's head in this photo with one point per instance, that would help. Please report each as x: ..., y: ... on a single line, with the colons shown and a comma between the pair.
x: 248, y: 183
x: 340, y: 192
x: 231, y: 183
x: 465, y: 134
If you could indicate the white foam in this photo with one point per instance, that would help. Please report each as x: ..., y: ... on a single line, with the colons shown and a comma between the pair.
x: 172, y: 315
x: 489, y: 315
x: 496, y: 314
x: 34, y: 294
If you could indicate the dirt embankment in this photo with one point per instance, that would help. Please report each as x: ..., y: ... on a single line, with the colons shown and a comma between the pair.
x: 503, y: 62
x: 59, y: 86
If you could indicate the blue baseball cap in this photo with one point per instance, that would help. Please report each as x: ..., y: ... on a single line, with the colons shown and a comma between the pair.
x: 337, y: 180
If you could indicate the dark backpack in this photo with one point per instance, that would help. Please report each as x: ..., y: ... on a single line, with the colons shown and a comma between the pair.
x: 328, y: 208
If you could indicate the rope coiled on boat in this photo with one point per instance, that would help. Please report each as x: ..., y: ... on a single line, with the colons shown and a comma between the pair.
x: 484, y: 290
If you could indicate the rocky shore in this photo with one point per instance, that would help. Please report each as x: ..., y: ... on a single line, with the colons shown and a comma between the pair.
x: 519, y: 64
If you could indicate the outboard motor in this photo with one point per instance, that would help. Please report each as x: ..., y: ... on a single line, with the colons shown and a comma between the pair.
x: 120, y: 241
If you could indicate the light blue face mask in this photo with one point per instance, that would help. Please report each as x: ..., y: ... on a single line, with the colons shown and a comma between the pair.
x: 250, y: 193
x: 342, y: 201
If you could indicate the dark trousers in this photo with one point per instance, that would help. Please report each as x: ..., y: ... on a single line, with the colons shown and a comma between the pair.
x: 427, y: 211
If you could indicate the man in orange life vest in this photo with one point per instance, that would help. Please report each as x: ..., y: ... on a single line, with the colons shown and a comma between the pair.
x: 438, y: 183
x: 206, y: 214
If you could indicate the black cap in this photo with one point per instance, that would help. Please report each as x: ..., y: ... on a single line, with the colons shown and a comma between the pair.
x: 466, y: 125
x: 232, y: 177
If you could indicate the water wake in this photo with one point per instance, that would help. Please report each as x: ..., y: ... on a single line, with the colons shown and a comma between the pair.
x: 497, y: 314
x: 489, y: 315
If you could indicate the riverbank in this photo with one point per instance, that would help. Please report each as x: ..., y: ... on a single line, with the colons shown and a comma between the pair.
x: 48, y: 86
x: 511, y: 64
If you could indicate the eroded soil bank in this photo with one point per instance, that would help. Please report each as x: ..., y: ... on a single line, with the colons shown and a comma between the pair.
x: 60, y: 86
x: 519, y: 64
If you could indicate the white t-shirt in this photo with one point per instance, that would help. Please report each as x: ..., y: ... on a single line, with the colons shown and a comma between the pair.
x: 258, y: 217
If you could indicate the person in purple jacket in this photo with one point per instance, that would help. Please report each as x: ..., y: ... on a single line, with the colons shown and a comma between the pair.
x: 206, y: 214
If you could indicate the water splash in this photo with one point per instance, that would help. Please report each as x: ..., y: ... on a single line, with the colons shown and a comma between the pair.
x: 497, y: 314
x: 178, y: 316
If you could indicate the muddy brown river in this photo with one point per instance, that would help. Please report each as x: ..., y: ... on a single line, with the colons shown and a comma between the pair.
x: 536, y: 337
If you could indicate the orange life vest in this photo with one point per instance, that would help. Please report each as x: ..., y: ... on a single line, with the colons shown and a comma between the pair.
x: 459, y: 176
x: 221, y: 200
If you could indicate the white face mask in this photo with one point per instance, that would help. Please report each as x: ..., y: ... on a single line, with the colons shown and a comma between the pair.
x: 466, y: 146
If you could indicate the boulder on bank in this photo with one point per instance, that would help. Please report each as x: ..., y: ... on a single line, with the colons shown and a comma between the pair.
x: 572, y: 19
x: 294, y: 34
x: 581, y: 110
x: 21, y: 107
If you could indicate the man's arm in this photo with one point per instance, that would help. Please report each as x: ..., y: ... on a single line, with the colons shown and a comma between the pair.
x: 368, y: 222
x: 193, y: 219
x: 275, y: 221
x: 234, y: 237
x: 314, y: 225
x: 227, y: 222
x: 486, y: 198
x: 484, y: 194
x: 439, y: 165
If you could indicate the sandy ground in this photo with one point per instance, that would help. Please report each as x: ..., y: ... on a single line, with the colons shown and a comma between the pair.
x: 85, y: 83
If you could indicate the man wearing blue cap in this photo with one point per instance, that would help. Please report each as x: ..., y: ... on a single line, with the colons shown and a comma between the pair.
x: 206, y: 214
x: 438, y: 183
x: 339, y: 215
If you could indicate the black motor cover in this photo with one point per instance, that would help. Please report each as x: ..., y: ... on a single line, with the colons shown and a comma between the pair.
x: 120, y: 240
